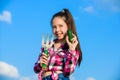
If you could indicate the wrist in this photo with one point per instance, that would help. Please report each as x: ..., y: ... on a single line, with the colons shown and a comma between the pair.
x: 72, y: 49
x: 72, y: 52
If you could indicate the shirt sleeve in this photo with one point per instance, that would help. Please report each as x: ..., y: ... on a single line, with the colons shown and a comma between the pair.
x: 37, y: 68
x: 71, y: 61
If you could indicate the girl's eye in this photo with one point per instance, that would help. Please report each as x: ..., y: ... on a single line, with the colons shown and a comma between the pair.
x: 60, y: 25
x: 53, y: 26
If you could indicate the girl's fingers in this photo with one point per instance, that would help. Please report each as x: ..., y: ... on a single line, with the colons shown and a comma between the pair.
x: 43, y: 62
x: 44, y: 59
x: 43, y: 54
x: 67, y: 39
x: 74, y: 36
x: 74, y: 40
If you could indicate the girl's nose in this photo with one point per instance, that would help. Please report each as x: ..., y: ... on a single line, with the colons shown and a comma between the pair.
x: 57, y: 29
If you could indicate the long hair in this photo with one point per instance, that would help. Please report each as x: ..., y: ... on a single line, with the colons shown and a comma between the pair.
x: 68, y: 18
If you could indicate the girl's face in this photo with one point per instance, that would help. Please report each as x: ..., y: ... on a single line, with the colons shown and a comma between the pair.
x: 59, y: 27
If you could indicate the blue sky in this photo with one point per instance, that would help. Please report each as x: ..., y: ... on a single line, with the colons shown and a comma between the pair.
x: 22, y: 23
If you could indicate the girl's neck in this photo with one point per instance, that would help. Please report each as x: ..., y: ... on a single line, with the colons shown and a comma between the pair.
x: 58, y: 44
x: 60, y: 41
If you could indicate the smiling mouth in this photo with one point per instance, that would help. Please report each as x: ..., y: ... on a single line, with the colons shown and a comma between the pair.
x: 58, y: 35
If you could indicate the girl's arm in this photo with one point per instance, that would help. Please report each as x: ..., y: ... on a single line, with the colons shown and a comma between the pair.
x: 37, y: 68
x: 71, y: 62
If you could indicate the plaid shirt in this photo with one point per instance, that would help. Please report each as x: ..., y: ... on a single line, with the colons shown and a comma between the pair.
x: 60, y: 60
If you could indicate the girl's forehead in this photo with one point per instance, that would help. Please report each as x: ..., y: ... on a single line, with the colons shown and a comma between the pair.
x: 58, y: 19
x: 61, y: 19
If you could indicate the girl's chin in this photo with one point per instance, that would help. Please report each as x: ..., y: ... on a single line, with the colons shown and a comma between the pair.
x: 59, y: 38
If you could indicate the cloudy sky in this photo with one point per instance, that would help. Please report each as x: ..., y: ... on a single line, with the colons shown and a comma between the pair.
x: 22, y: 23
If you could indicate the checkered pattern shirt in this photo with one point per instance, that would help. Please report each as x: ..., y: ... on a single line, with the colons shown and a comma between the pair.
x: 60, y: 60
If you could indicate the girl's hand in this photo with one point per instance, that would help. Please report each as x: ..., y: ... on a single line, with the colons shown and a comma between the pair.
x: 44, y: 59
x: 72, y: 45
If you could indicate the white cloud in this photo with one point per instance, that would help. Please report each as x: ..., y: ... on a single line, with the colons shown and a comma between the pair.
x: 5, y: 16
x: 108, y: 5
x: 103, y: 6
x: 115, y: 8
x: 90, y: 78
x: 89, y: 9
x: 11, y: 71
x: 8, y: 70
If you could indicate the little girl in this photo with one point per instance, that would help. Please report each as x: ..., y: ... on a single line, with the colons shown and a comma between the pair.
x: 64, y: 55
